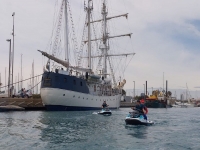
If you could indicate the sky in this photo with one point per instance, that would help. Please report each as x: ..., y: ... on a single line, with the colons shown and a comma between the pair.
x: 165, y: 38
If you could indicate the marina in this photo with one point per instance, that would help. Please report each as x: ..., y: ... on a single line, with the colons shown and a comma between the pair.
x: 31, y: 104
x: 99, y: 74
x: 88, y: 77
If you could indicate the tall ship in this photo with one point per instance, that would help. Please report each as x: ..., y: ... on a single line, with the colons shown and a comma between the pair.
x: 80, y: 85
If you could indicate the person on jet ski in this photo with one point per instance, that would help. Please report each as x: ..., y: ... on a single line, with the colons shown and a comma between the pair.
x: 140, y: 108
x: 104, y: 105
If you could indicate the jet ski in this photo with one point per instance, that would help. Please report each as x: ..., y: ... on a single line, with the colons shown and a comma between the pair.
x: 105, y: 111
x: 136, y: 118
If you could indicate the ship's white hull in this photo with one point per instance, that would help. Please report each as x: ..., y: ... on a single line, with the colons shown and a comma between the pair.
x: 60, y: 99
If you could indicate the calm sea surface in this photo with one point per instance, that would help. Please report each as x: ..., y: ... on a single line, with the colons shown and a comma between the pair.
x: 174, y: 128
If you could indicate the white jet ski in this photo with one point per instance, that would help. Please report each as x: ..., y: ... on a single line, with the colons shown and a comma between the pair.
x: 105, y: 111
x: 135, y: 118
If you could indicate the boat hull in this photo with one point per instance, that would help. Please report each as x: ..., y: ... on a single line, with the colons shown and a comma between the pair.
x: 137, y: 121
x: 64, y: 100
x: 157, y: 104
x: 105, y: 112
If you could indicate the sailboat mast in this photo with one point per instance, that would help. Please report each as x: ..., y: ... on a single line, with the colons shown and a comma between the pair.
x: 66, y: 34
x: 89, y: 9
x: 104, y: 48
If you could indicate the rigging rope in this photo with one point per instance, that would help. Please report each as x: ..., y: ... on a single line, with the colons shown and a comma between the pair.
x: 80, y: 53
x: 74, y: 37
x: 55, y: 44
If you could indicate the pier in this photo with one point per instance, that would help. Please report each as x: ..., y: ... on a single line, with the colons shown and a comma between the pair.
x: 127, y: 104
x: 26, y: 103
x: 36, y: 104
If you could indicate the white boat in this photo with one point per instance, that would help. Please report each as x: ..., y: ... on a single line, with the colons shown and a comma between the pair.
x: 80, y: 88
x: 182, y: 105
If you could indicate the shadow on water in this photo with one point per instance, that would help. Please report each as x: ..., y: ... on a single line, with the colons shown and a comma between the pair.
x: 138, y: 131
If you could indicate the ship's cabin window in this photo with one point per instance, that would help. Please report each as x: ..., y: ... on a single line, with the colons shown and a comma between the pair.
x: 74, y: 82
x: 65, y: 79
x: 81, y: 83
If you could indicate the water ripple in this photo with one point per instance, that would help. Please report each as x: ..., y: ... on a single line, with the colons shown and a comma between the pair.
x: 173, y: 129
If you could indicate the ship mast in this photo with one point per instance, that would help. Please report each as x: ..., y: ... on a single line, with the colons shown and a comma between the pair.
x: 66, y: 34
x: 89, y: 9
x: 104, y: 47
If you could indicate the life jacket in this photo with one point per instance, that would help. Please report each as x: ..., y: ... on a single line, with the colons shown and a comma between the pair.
x: 146, y: 110
x: 142, y: 101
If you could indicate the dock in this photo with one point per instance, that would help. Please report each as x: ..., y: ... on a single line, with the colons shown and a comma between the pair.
x: 36, y: 104
x: 26, y: 103
x: 127, y: 104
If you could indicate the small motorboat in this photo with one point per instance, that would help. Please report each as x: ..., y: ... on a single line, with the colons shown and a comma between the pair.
x: 105, y: 111
x: 136, y: 118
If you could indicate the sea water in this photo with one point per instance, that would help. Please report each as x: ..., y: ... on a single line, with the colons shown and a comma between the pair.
x: 174, y: 128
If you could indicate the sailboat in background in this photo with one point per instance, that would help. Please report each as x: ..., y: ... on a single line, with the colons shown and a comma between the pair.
x: 184, y: 103
x: 74, y: 87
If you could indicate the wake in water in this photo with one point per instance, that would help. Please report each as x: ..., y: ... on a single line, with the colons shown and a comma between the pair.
x: 95, y: 113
